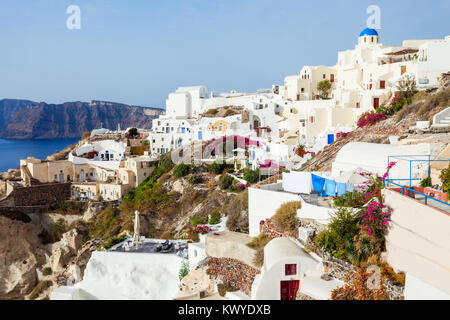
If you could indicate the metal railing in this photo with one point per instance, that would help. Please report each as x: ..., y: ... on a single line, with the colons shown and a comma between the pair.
x: 388, y: 182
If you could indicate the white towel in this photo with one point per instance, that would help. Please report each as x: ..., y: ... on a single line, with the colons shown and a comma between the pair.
x: 297, y: 182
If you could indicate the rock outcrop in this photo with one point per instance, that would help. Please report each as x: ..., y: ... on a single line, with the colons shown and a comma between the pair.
x: 21, y: 254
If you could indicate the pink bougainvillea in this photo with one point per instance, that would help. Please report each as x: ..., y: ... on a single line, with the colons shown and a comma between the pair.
x: 375, y: 216
x: 370, y: 118
x: 342, y: 134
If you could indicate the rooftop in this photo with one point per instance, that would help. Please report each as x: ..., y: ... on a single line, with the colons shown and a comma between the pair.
x: 368, y: 32
x: 152, y: 246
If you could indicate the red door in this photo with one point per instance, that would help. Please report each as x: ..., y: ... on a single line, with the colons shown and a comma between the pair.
x: 289, y: 289
x: 376, y: 102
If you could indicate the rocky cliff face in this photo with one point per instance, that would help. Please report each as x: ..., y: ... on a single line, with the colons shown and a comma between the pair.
x: 23, y: 119
x: 21, y: 253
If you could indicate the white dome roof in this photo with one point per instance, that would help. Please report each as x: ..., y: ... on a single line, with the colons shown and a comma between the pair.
x: 282, y: 248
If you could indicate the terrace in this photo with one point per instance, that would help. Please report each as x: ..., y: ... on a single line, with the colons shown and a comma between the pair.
x: 429, y: 196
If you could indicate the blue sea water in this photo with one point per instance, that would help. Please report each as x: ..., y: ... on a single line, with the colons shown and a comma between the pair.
x: 11, y: 151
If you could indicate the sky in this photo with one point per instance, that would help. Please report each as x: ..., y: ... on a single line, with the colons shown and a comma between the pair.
x: 137, y: 52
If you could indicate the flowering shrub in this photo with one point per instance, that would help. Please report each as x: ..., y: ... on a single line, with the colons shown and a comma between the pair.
x: 192, y: 233
x: 300, y: 151
x: 240, y: 186
x: 370, y: 118
x: 341, y: 134
x: 356, y: 237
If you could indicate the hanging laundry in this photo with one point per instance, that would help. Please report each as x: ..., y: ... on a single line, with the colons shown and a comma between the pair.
x: 350, y: 187
x: 330, y: 188
x: 298, y: 182
x: 318, y: 182
x: 341, y: 188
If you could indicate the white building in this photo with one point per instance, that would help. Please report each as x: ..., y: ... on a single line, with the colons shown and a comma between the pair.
x: 285, y: 266
x: 363, y: 79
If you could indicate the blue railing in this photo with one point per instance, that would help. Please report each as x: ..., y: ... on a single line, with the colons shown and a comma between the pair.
x: 388, y: 182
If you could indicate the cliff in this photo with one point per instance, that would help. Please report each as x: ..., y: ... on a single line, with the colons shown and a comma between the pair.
x: 22, y: 119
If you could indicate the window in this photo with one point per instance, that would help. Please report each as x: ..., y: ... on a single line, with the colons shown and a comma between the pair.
x: 324, y: 75
x: 290, y: 269
x: 403, y: 70
x: 357, y: 104
x: 382, y: 84
x: 311, y: 119
x: 298, y: 97
x: 302, y: 90
x: 332, y: 77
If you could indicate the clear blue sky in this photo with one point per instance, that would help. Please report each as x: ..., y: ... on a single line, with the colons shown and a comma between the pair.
x: 137, y: 51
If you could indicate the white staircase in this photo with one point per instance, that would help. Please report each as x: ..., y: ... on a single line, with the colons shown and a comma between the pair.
x: 442, y: 119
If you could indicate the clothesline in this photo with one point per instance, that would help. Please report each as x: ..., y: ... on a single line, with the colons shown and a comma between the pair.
x: 307, y: 182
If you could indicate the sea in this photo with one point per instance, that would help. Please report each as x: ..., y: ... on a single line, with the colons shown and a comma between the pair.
x: 11, y: 151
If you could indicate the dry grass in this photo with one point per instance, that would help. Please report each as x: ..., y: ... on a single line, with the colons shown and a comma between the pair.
x: 425, y: 105
x: 258, y: 259
x: 285, y: 217
x: 259, y: 241
x: 41, y: 287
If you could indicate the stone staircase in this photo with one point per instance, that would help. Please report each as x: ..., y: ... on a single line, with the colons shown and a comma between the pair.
x: 442, y: 119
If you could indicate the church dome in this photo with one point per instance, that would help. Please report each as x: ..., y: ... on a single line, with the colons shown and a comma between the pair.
x: 368, y: 32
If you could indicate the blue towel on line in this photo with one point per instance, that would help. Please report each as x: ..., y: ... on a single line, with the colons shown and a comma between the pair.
x: 330, y: 188
x: 341, y: 188
x: 317, y: 182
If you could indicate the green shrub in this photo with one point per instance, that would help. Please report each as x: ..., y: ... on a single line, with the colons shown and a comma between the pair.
x: 445, y: 180
x: 215, y: 217
x: 226, y: 182
x: 353, y: 199
x: 181, y: 170
x: 184, y: 270
x: 381, y: 110
x: 338, y: 238
x: 285, y: 217
x: 251, y: 176
x: 218, y: 168
x: 194, y: 179
x: 196, y: 220
x: 426, y: 182
x: 112, y: 242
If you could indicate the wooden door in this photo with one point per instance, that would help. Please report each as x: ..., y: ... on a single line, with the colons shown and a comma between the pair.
x: 376, y: 102
x: 289, y: 289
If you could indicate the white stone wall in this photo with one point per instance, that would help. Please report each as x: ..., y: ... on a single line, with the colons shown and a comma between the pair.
x: 418, y: 243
